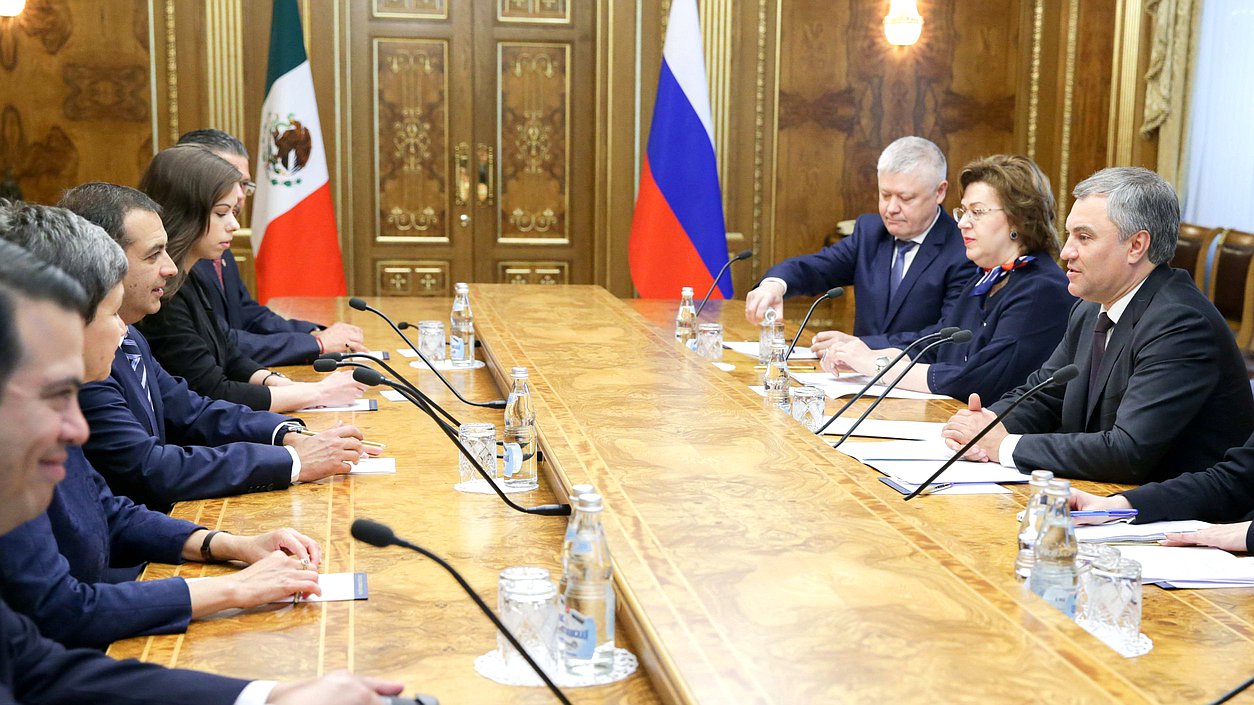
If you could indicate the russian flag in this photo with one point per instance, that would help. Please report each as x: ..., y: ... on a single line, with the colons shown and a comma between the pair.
x: 678, y: 237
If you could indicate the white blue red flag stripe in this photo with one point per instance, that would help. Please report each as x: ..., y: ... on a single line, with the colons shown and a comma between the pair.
x: 678, y: 236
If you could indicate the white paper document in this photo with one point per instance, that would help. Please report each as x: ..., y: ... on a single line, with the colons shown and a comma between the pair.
x: 362, y: 404
x: 1145, y: 533
x: 374, y: 466
x: 750, y: 348
x: 960, y: 488
x: 407, y: 352
x: 391, y: 395
x: 848, y: 385
x: 336, y: 587
x: 1191, y: 567
x: 896, y: 450
x: 879, y: 428
x: 378, y: 354
x: 916, y: 472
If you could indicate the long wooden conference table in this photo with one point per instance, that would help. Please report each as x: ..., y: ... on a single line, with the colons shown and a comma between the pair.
x: 754, y: 564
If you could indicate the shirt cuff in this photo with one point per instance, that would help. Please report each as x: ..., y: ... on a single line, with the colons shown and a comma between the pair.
x: 276, y: 437
x: 776, y: 279
x: 1006, y: 451
x: 295, y: 463
x: 256, y: 693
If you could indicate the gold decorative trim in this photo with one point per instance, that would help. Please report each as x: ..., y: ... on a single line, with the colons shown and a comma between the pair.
x: 1124, y: 83
x: 500, y: 16
x: 716, y: 37
x: 172, y: 75
x: 779, y: 11
x: 374, y: 99
x: 152, y: 76
x: 605, y: 149
x: 374, y: 12
x: 1034, y: 79
x: 398, y: 277
x: 500, y: 144
x: 523, y: 272
x: 224, y: 45
x: 1068, y: 102
x: 759, y: 132
x: 343, y: 187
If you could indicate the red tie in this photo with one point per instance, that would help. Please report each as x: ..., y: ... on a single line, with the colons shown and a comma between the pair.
x: 217, y: 267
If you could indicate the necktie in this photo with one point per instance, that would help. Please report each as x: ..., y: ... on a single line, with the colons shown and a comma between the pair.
x: 217, y: 267
x: 899, y: 265
x: 131, y: 349
x: 1104, y: 324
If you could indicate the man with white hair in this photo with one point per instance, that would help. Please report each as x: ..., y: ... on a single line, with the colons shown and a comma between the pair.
x: 907, y: 263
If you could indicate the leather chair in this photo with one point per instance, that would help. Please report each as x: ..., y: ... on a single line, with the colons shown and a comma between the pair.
x: 1193, y: 250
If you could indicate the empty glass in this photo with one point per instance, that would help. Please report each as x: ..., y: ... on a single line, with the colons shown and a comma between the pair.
x: 527, y: 603
x: 480, y: 440
x: 807, y: 406
x: 1112, y: 604
x: 431, y: 340
x: 710, y: 341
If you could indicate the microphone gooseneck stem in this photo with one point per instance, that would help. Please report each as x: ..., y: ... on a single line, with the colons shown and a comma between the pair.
x: 866, y: 387
x: 495, y: 404
x: 404, y: 382
x: 983, y: 432
x: 889, y: 388
x: 721, y: 272
x: 542, y: 510
x: 483, y: 607
x: 804, y: 321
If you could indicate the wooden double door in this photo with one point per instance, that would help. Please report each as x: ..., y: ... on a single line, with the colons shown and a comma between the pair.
x: 471, y: 156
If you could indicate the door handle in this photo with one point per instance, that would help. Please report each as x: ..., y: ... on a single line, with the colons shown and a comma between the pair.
x: 485, y: 189
x: 461, y: 176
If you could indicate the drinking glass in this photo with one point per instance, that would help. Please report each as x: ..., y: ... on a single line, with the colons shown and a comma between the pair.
x: 710, y: 341
x: 431, y: 340
x: 807, y: 406
x: 480, y: 440
x: 527, y: 604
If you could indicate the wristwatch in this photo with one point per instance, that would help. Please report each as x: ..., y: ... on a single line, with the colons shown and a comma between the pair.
x: 880, y: 363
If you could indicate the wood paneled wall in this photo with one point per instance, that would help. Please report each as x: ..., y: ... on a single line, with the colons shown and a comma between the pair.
x: 806, y: 94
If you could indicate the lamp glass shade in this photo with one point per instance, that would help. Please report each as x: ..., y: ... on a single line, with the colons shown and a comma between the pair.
x: 903, y: 25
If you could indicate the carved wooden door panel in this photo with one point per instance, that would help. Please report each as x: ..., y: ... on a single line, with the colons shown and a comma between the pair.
x: 466, y: 168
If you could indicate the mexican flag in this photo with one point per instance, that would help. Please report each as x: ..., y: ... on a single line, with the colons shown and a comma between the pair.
x: 295, y: 245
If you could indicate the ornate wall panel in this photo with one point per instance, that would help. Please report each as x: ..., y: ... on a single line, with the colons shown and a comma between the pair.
x: 546, y: 11
x: 412, y: 278
x: 411, y: 9
x: 411, y: 147
x: 548, y: 273
x: 534, y: 139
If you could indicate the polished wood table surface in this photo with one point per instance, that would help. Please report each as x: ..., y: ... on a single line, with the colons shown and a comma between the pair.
x: 753, y: 562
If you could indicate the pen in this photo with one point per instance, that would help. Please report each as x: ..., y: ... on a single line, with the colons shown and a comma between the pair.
x: 372, y: 444
x: 938, y: 487
x: 1112, y: 513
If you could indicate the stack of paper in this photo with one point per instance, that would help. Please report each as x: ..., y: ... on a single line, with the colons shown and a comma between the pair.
x: 1180, y: 567
x: 916, y: 472
x: 1135, y: 533
x: 947, y: 488
x: 877, y: 428
x: 750, y: 348
x: 847, y: 385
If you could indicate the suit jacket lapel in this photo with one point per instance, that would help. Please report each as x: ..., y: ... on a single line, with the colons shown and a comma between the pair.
x: 133, y: 391
x: 1122, y: 333
x: 923, y: 258
x: 881, y: 265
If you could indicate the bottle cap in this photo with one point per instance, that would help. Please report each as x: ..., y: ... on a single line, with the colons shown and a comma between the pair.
x: 589, y: 502
x: 686, y: 291
x: 461, y: 286
x: 1058, y: 488
x: 578, y: 490
x: 1041, y: 477
x: 518, y: 372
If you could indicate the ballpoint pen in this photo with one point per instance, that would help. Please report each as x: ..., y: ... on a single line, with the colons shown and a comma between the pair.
x: 372, y: 444
x: 1112, y: 513
x: 938, y: 487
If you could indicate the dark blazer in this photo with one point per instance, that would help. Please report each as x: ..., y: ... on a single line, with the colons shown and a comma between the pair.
x: 1221, y: 493
x: 1013, y: 330
x: 1172, y: 394
x: 38, y: 671
x: 928, y: 292
x: 55, y: 568
x: 260, y: 333
x: 191, y: 448
x: 189, y: 342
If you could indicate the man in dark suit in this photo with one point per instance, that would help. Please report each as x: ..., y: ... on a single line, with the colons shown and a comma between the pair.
x: 1162, y: 386
x: 42, y: 312
x: 907, y: 264
x: 261, y: 334
x: 152, y: 438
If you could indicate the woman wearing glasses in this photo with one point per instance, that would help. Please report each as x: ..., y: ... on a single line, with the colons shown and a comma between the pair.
x: 1016, y: 305
x: 199, y: 194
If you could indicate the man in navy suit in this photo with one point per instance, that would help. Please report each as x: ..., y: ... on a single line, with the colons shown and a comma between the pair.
x: 907, y: 264
x: 152, y: 438
x: 261, y: 334
x: 42, y: 312
x: 1162, y: 388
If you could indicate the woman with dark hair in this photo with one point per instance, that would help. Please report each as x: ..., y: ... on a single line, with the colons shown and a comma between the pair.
x: 1016, y: 306
x: 200, y: 194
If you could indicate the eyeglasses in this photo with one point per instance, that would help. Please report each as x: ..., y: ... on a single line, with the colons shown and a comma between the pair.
x: 975, y: 214
x: 249, y: 187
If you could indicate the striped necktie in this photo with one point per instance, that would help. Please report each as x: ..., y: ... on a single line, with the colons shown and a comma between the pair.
x: 131, y: 349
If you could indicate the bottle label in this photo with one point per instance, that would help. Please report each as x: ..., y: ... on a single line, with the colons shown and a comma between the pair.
x: 458, y: 306
x: 513, y: 459
x: 579, y: 634
x: 692, y: 344
x: 456, y: 348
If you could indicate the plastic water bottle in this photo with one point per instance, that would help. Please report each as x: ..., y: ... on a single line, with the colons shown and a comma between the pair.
x: 520, y: 434
x: 1054, y: 574
x: 776, y: 378
x: 587, y: 619
x: 1033, y: 517
x: 576, y: 491
x: 461, y: 329
x: 686, y: 319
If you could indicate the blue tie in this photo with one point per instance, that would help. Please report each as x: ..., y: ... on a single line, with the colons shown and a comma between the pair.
x: 131, y: 349
x: 899, y: 265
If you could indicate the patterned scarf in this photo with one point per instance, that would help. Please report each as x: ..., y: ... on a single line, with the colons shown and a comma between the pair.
x: 996, y: 274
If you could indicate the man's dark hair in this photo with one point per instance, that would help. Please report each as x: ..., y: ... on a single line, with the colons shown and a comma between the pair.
x: 106, y: 205
x: 215, y: 140
x: 25, y: 277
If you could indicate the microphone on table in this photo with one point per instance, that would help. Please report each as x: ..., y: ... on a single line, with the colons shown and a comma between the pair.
x: 382, y: 536
x: 360, y: 304
x: 1061, y: 376
x: 942, y: 333
x: 743, y: 254
x: 330, y: 362
x: 961, y: 336
x: 832, y: 293
x: 371, y: 378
